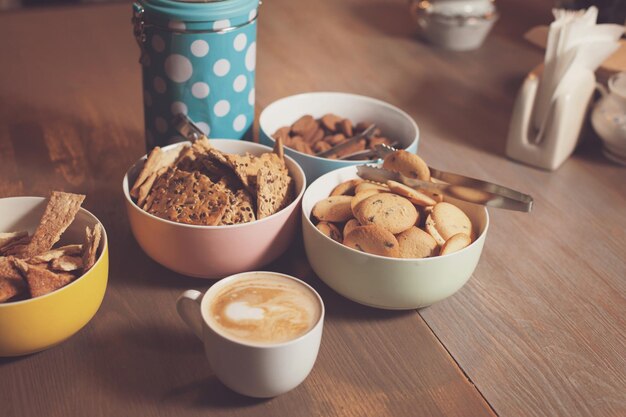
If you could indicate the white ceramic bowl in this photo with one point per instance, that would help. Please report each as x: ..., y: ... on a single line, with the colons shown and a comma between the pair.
x: 216, y: 251
x: 395, y: 124
x: 388, y: 283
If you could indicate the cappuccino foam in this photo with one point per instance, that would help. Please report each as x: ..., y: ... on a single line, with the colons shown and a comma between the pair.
x: 264, y: 309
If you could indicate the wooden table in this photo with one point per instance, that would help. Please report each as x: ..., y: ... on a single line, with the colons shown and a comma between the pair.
x: 539, y: 330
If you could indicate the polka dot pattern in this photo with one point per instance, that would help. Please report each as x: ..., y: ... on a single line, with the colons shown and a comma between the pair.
x: 178, y: 68
x: 200, y: 90
x: 240, y: 42
x: 199, y: 48
x: 240, y: 83
x: 221, y: 108
x: 221, y: 67
x: 208, y: 76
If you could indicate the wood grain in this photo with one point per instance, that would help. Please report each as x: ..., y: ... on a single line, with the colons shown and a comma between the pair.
x: 70, y: 111
x: 538, y: 331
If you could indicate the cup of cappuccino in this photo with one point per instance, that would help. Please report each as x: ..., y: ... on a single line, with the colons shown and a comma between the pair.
x: 261, y: 330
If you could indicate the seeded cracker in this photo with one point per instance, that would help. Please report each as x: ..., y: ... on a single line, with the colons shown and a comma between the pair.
x: 90, y: 247
x: 58, y: 215
x: 40, y: 280
x: 240, y: 209
x: 273, y: 191
x: 187, y: 197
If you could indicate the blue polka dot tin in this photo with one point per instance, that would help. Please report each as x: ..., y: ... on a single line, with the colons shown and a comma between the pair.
x: 198, y: 59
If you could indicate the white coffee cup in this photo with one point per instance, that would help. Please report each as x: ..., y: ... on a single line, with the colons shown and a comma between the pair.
x: 251, y: 368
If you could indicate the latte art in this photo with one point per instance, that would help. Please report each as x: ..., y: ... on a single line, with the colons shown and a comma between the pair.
x: 264, y: 309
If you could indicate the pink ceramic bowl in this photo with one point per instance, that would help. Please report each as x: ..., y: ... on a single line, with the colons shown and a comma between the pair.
x: 216, y: 251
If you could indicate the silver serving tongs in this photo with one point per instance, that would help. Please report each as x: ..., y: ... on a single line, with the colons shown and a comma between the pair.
x: 452, y: 185
x: 187, y: 128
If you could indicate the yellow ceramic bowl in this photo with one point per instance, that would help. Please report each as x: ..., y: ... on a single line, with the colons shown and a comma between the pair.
x: 36, y: 324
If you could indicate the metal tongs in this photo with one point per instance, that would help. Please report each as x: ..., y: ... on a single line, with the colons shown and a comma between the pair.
x: 452, y: 185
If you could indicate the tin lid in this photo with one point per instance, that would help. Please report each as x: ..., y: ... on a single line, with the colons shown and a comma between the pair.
x: 198, y: 10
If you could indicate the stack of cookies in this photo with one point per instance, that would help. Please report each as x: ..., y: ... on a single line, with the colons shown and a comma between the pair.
x: 201, y: 185
x: 392, y: 219
x: 31, y: 267
x: 311, y: 136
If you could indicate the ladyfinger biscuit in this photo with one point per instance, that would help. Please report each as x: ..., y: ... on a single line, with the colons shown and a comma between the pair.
x: 390, y: 211
x: 416, y: 243
x: 445, y: 221
x: 373, y: 239
x: 412, y: 195
x: 455, y: 243
x: 330, y: 230
x: 407, y: 164
x: 333, y: 209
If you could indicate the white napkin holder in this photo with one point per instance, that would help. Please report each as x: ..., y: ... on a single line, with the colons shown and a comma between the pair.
x: 551, y: 145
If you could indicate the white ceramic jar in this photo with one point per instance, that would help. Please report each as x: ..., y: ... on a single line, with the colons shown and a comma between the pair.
x: 609, y: 118
x: 454, y: 24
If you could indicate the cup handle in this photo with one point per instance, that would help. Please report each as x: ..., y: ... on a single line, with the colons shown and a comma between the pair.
x: 188, y: 307
x: 602, y: 89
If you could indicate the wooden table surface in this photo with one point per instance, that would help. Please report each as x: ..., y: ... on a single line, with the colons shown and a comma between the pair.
x: 539, y: 330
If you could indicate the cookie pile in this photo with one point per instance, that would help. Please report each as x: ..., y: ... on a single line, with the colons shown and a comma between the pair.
x: 309, y: 135
x: 392, y: 219
x: 201, y: 185
x: 31, y: 267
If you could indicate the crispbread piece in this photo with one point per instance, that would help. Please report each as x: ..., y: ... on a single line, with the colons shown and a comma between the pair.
x: 67, y: 264
x: 157, y: 160
x: 7, y: 268
x: 58, y: 215
x: 278, y: 147
x: 10, y: 237
x: 240, y: 209
x: 52, y: 254
x: 90, y: 247
x: 201, y: 146
x: 187, y: 197
x: 40, y: 280
x: 11, y: 281
x: 247, y: 166
x: 273, y: 191
x: 17, y: 242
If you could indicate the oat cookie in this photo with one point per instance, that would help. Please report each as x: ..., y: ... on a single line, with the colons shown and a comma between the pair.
x: 445, y: 221
x: 333, y: 209
x: 412, y: 195
x: 330, y: 230
x: 367, y: 185
x: 390, y: 211
x: 359, y: 197
x: 416, y: 243
x: 346, y: 187
x: 408, y: 164
x: 350, y: 226
x: 373, y: 239
x: 455, y: 243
